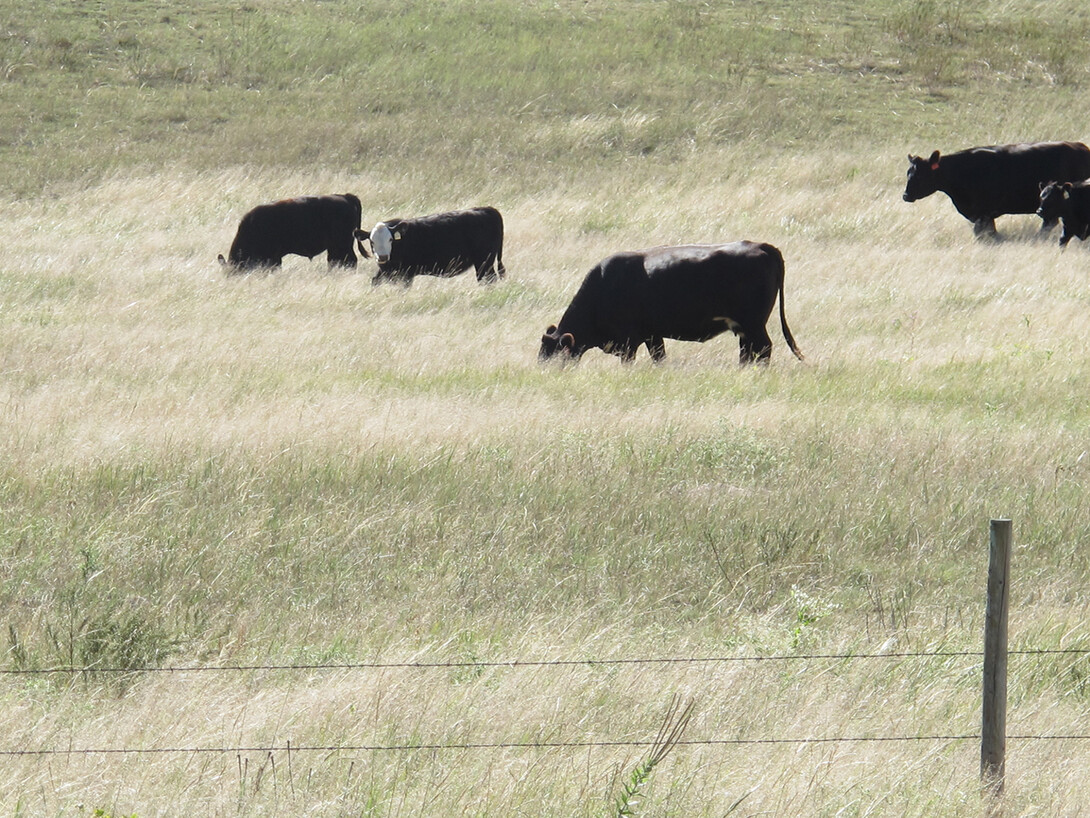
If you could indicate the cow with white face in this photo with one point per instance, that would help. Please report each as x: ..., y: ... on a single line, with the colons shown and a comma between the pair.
x: 443, y: 244
x: 382, y: 242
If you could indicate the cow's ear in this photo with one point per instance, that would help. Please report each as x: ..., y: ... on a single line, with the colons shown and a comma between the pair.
x: 362, y: 236
x: 567, y: 340
x: 934, y: 160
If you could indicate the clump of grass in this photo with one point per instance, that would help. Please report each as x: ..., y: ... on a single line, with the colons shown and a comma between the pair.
x: 673, y: 727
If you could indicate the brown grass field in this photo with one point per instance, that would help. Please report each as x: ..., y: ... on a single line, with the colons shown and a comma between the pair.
x: 306, y: 475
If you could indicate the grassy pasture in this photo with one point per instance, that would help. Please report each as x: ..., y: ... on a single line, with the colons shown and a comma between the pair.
x: 298, y: 468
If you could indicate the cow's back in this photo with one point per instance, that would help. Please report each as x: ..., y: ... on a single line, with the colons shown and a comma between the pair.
x: 698, y: 291
x: 687, y: 293
x: 1006, y: 178
x: 304, y: 225
x: 448, y: 243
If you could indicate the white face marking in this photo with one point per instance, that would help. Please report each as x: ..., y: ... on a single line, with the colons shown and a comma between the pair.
x: 382, y: 241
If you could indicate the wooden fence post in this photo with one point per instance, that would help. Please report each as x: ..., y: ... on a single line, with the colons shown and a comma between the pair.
x: 993, y: 732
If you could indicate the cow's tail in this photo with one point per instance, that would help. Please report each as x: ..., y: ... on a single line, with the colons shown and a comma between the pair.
x: 778, y: 256
x: 360, y: 236
x: 357, y: 211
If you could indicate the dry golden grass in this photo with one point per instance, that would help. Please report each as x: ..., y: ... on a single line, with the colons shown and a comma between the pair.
x: 299, y: 467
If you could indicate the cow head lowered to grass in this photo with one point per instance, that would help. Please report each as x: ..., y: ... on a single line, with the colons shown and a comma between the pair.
x: 304, y: 226
x: 688, y: 293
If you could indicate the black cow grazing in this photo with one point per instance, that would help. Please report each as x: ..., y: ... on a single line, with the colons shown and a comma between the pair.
x: 984, y: 183
x: 691, y: 293
x: 443, y: 244
x: 1069, y: 202
x: 303, y: 226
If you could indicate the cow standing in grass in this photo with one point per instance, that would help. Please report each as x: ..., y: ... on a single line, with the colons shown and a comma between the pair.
x: 984, y: 183
x: 1070, y: 203
x: 690, y: 293
x: 303, y: 226
x: 443, y: 244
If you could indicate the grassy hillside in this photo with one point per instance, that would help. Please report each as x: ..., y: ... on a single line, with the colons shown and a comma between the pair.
x: 297, y: 468
x: 512, y: 96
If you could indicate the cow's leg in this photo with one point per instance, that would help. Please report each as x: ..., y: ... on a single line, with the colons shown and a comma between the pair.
x: 489, y: 271
x: 656, y: 347
x: 745, y: 351
x: 341, y: 255
x: 984, y: 227
x: 341, y: 261
x: 754, y: 346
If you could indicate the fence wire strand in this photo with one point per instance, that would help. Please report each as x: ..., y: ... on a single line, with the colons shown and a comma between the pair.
x: 534, y: 663
x: 518, y: 745
x: 519, y: 663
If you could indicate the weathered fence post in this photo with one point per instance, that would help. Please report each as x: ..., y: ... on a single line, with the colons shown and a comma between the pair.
x: 993, y: 732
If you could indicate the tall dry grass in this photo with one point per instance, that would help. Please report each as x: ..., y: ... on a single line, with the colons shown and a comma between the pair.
x: 300, y: 468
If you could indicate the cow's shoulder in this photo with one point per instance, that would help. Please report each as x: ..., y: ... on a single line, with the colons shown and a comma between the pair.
x: 622, y: 267
x: 658, y: 258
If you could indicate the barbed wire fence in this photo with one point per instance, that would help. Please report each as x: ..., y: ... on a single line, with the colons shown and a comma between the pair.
x: 289, y: 748
x: 530, y: 663
x: 992, y: 735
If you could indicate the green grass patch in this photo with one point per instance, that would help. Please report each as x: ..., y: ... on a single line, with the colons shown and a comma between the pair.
x: 519, y: 85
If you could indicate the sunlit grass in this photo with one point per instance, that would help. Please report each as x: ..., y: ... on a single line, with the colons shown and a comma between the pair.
x: 300, y: 468
x: 510, y: 96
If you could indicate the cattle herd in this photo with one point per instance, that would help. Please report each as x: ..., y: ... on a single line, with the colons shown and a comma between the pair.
x: 689, y: 292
